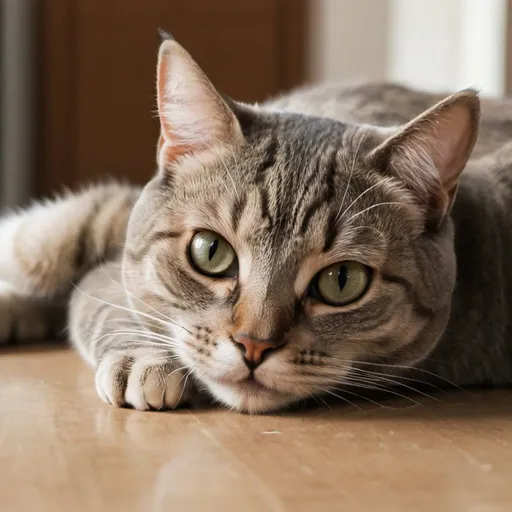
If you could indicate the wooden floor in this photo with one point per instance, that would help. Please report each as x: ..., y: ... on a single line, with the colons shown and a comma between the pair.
x: 61, y: 449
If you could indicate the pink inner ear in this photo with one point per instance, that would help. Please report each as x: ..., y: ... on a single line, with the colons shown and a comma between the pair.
x: 193, y: 116
x: 451, y: 138
x: 430, y: 152
x: 173, y: 148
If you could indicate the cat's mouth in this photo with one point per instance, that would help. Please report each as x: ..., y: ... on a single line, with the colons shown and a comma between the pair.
x: 249, y: 394
x: 251, y: 383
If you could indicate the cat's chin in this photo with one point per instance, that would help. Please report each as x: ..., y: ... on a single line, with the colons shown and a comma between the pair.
x: 249, y: 396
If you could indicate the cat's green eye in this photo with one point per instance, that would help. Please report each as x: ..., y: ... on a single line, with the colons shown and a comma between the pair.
x: 342, y: 283
x: 212, y: 255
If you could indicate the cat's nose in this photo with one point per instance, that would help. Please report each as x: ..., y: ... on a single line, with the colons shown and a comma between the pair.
x: 253, y: 349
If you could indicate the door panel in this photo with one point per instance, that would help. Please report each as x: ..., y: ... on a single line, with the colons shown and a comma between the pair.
x: 97, y: 74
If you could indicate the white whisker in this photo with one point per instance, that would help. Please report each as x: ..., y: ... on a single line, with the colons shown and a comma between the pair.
x: 185, y: 383
x: 185, y: 366
x: 128, y: 292
x: 122, y: 308
x: 372, y: 207
x: 350, y: 177
x: 228, y: 173
x: 375, y: 387
x: 377, y: 379
x: 329, y: 392
x: 402, y: 377
x: 398, y: 367
x: 379, y: 233
x: 361, y: 397
x: 161, y: 340
x: 151, y: 334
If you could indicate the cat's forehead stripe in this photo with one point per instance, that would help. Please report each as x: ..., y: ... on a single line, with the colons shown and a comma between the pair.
x: 237, y: 210
x: 269, y: 158
x: 327, y: 191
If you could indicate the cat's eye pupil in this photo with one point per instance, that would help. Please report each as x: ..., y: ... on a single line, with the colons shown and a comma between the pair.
x: 213, y: 249
x: 341, y: 283
x: 211, y: 255
x: 342, y: 276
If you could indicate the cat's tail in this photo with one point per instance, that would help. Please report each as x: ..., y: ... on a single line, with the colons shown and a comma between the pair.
x: 47, y: 247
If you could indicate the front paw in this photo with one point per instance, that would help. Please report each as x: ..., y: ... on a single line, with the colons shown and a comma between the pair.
x: 144, y: 378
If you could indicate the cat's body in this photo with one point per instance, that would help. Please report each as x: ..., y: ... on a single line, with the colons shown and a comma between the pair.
x: 143, y: 318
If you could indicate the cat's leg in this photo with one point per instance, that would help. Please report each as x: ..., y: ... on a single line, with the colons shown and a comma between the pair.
x: 28, y: 318
x: 133, y: 366
x: 47, y: 247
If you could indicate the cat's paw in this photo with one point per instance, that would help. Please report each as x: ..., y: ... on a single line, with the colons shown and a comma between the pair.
x: 144, y: 378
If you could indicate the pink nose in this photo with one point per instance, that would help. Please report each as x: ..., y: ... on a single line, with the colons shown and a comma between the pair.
x: 253, y: 348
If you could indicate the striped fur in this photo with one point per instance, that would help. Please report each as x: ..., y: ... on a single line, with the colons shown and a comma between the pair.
x: 294, y: 185
x: 48, y: 247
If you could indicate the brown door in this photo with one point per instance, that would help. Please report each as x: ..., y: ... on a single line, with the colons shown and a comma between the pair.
x: 97, y: 68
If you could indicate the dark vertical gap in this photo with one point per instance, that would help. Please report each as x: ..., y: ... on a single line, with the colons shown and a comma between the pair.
x: 508, y: 55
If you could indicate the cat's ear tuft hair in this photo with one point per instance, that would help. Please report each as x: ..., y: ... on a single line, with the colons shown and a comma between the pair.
x: 165, y: 35
x: 430, y: 152
x: 193, y: 115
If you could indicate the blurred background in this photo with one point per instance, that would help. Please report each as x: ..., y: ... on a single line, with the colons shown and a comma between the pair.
x: 77, y: 100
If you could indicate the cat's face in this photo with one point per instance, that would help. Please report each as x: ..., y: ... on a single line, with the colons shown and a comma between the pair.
x: 282, y: 253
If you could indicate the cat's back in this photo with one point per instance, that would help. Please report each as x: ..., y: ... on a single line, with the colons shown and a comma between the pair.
x: 388, y: 104
x: 383, y: 104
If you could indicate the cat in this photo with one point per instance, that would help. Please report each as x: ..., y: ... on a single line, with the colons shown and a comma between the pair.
x: 327, y: 239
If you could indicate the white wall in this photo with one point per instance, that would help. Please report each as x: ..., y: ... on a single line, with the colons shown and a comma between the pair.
x: 438, y: 45
x: 448, y: 44
x: 348, y: 39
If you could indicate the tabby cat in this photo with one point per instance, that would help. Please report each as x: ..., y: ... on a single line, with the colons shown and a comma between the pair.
x: 321, y: 241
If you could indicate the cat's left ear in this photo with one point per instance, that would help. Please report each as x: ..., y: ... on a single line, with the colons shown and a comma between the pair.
x: 431, y: 151
x: 193, y: 115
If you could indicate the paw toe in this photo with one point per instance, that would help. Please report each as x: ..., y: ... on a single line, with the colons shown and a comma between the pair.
x: 112, y: 378
x: 139, y: 380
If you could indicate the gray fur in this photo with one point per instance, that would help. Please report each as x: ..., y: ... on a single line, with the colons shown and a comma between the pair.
x: 294, y: 185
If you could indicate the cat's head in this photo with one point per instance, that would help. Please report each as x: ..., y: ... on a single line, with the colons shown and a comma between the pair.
x: 283, y: 254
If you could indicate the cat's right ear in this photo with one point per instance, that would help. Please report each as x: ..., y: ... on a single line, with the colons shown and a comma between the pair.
x: 193, y: 115
x: 429, y: 153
